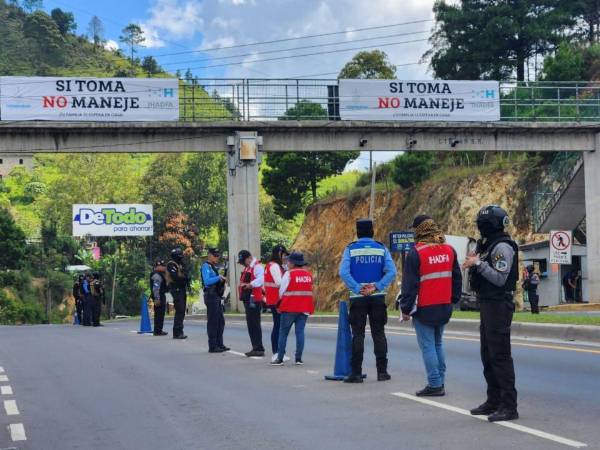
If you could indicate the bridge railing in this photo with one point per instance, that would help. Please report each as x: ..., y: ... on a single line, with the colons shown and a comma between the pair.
x: 307, y: 99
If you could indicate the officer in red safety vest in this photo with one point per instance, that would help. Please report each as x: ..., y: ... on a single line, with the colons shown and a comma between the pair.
x: 251, y: 294
x: 431, y: 283
x: 274, y: 270
x: 296, y: 304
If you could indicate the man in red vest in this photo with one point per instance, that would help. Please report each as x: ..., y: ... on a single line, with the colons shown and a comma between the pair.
x: 431, y: 283
x: 252, y: 295
x: 296, y: 304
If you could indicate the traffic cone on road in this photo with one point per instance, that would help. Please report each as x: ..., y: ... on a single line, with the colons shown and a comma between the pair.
x: 343, y: 350
x: 145, y: 325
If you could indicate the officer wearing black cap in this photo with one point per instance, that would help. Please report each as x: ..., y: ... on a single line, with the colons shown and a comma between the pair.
x: 178, y: 282
x: 213, y: 284
x: 158, y: 291
x: 98, y: 298
x: 493, y: 272
x: 367, y: 269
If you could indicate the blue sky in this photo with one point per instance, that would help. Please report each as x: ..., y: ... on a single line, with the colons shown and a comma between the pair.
x: 179, y: 26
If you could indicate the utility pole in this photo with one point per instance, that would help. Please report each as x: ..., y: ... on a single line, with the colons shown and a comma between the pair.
x: 372, y: 207
x: 111, y: 312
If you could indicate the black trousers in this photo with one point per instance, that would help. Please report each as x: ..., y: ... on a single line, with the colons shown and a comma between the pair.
x: 159, y: 315
x: 79, y: 310
x: 375, y: 308
x: 179, y: 301
x: 215, y: 319
x: 87, y: 310
x: 253, y: 312
x: 96, y: 310
x: 498, y: 367
x: 534, y: 301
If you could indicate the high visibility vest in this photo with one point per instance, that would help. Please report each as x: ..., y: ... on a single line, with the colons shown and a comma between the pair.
x: 271, y: 289
x: 435, y: 285
x: 367, y: 261
x: 298, y: 297
x: 257, y: 293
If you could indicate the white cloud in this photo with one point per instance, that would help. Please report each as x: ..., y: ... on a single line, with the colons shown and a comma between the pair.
x: 172, y: 20
x: 111, y: 45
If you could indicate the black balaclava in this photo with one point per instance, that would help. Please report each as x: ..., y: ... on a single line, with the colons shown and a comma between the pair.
x: 364, y: 228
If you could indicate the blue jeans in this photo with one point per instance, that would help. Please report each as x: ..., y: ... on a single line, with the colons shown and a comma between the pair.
x: 286, y: 322
x: 275, y: 331
x: 432, y: 349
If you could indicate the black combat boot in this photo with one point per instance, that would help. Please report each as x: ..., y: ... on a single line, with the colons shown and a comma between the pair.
x: 503, y: 414
x: 485, y: 409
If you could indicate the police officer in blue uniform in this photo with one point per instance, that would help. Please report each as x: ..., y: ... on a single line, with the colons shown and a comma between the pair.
x: 493, y: 274
x: 213, y: 288
x: 367, y: 269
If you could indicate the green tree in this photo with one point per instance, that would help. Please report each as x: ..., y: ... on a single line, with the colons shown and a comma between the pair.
x: 12, y: 242
x: 494, y: 39
x: 290, y: 176
x: 96, y: 31
x: 40, y: 27
x: 132, y: 36
x: 567, y: 64
x: 32, y: 5
x: 65, y: 21
x: 588, y: 15
x: 150, y: 65
x: 369, y: 64
x: 411, y: 168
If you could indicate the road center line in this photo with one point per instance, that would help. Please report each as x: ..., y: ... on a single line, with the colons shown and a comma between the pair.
x: 10, y: 406
x: 6, y: 390
x: 3, y: 378
x: 514, y: 426
x: 233, y: 352
x: 17, y: 432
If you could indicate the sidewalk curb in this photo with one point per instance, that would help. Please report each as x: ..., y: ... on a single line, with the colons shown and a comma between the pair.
x: 564, y: 332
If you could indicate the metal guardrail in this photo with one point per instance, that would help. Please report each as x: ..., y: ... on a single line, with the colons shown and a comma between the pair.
x: 560, y: 172
x: 306, y: 99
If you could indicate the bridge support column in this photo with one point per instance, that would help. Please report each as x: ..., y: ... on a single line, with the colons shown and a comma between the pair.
x: 591, y: 165
x: 243, y: 216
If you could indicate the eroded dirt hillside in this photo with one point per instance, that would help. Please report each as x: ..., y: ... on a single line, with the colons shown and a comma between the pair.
x: 453, y: 202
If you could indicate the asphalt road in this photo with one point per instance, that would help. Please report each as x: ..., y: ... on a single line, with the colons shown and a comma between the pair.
x: 110, y: 388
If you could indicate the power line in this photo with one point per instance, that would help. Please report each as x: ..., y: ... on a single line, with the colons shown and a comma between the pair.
x: 242, y: 55
x: 307, y: 36
x: 307, y: 54
x: 335, y: 73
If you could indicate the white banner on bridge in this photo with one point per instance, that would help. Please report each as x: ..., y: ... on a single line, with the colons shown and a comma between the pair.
x: 89, y: 99
x: 113, y: 220
x: 439, y: 100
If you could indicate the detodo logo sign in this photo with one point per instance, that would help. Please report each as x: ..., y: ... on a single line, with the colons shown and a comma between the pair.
x: 110, y: 216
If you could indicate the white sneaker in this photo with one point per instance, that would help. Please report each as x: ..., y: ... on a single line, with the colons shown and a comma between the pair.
x: 274, y: 357
x: 286, y: 358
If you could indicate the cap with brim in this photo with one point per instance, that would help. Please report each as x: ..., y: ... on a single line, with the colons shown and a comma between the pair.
x: 214, y: 251
x: 297, y: 259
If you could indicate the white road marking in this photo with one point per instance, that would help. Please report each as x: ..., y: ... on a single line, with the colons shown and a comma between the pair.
x: 312, y: 372
x: 10, y: 406
x: 233, y: 352
x: 1, y: 369
x: 17, y: 432
x: 512, y: 425
x: 6, y: 390
x: 3, y: 378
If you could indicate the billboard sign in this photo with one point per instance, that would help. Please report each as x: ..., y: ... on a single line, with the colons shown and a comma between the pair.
x: 431, y: 100
x: 89, y: 99
x: 561, y: 243
x: 401, y: 241
x: 113, y: 220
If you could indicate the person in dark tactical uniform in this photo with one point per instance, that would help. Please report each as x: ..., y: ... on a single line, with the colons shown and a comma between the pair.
x: 530, y: 285
x: 97, y: 291
x: 493, y: 274
x: 178, y: 282
x: 158, y: 291
x: 78, y: 296
x: 214, y: 288
x: 86, y: 286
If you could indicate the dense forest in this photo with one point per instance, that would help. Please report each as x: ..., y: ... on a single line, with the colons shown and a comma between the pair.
x: 188, y: 190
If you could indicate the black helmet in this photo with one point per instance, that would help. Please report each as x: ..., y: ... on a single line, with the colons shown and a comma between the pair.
x: 96, y: 275
x: 243, y: 255
x: 177, y: 254
x: 492, y: 219
x: 530, y: 268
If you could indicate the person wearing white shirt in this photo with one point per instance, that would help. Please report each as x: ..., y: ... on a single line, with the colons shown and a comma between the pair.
x: 252, y: 295
x: 273, y: 272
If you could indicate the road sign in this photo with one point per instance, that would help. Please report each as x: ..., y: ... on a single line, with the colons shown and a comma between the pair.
x: 560, y: 247
x: 401, y: 241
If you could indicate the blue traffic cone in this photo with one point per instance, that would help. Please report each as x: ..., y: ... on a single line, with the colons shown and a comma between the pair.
x: 343, y: 350
x: 145, y: 325
x: 75, y: 319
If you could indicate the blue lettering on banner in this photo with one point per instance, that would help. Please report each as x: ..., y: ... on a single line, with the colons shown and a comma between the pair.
x: 401, y: 241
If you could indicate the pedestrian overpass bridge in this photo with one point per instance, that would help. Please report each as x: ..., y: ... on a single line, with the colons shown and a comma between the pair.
x: 535, y: 117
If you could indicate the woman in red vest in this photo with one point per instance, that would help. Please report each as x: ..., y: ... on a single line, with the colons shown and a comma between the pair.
x: 431, y: 283
x: 296, y: 304
x: 273, y: 273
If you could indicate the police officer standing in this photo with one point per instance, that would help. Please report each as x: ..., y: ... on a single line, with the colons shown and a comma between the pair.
x: 87, y: 300
x: 178, y: 281
x: 158, y: 291
x: 78, y: 296
x: 97, y: 291
x: 367, y: 269
x: 530, y: 285
x: 493, y: 272
x: 214, y: 287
